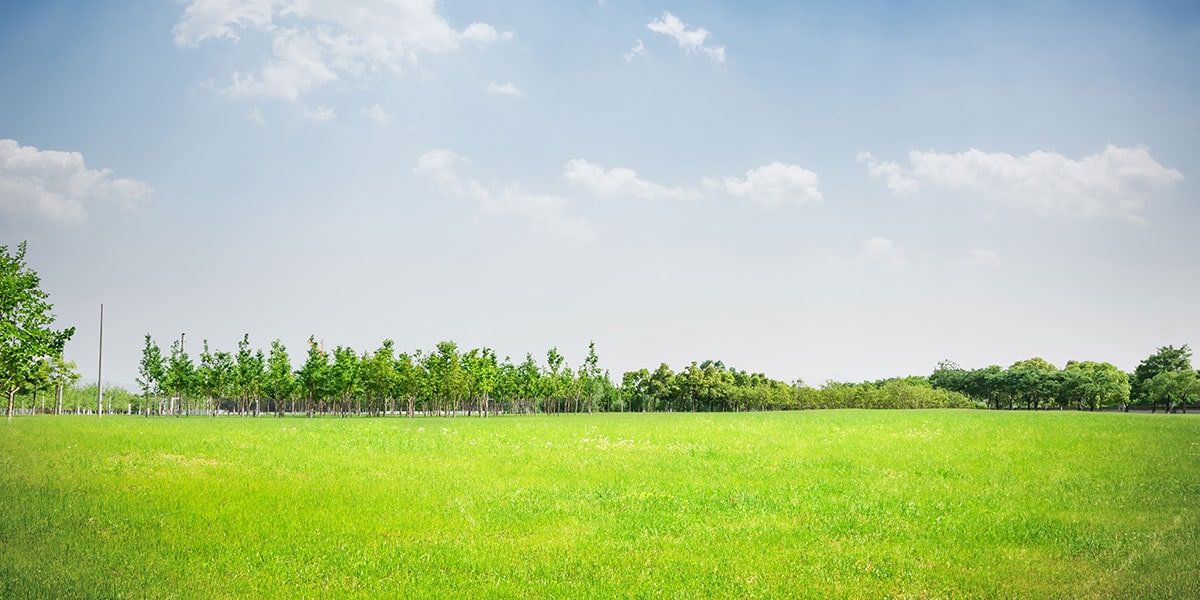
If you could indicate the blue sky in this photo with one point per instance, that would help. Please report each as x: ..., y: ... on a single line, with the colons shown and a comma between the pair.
x: 817, y: 191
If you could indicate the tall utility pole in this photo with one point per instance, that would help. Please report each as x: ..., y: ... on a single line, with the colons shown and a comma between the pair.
x: 100, y: 369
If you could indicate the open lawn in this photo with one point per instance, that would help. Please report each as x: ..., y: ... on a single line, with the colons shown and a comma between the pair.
x: 858, y: 504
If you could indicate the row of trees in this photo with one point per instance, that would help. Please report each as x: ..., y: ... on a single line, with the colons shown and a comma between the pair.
x: 1165, y: 379
x: 444, y: 381
x: 448, y: 381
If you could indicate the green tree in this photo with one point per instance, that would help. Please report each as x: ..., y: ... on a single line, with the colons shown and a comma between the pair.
x: 312, y: 376
x: 63, y: 375
x: 379, y: 377
x: 249, y: 375
x: 26, y: 336
x: 1164, y: 360
x: 1033, y: 382
x: 179, y: 379
x: 150, y: 373
x: 1095, y: 385
x: 1173, y: 389
x: 483, y: 375
x: 409, y: 377
x: 280, y: 382
x: 345, y: 377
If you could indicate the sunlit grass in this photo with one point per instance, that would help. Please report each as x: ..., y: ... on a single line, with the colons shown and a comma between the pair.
x: 923, y: 504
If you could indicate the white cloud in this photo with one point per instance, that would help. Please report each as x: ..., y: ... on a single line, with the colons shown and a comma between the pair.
x: 256, y: 117
x: 321, y: 113
x: 506, y: 89
x: 896, y: 178
x: 315, y: 42
x: 299, y: 66
x: 691, y: 40
x: 482, y: 33
x: 619, y: 182
x: 204, y: 19
x: 637, y: 50
x: 57, y: 185
x: 883, y: 251
x: 981, y: 258
x: 549, y: 212
x: 376, y: 113
x: 773, y: 185
x: 1114, y: 183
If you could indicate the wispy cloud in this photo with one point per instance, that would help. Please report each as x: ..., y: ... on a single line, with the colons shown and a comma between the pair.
x: 882, y: 251
x: 503, y: 89
x: 547, y: 211
x: 1114, y: 183
x: 376, y: 113
x: 638, y: 49
x: 315, y: 42
x: 773, y: 185
x: 621, y: 182
x: 321, y: 113
x: 57, y: 186
x: 691, y: 40
x: 981, y: 258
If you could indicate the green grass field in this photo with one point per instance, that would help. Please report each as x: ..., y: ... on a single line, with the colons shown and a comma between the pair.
x: 857, y: 504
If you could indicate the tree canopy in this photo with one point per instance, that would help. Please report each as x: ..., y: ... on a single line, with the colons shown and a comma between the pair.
x: 27, y: 338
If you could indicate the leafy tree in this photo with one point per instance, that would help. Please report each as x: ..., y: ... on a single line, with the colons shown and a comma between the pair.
x: 661, y: 387
x: 249, y: 375
x: 63, y: 375
x: 151, y: 371
x: 446, y: 378
x: 1172, y: 387
x: 216, y: 377
x: 483, y: 375
x: 528, y: 383
x: 409, y: 377
x: 379, y: 377
x: 25, y: 324
x: 1164, y: 360
x: 313, y: 375
x: 345, y: 377
x: 280, y: 383
x: 1095, y: 385
x: 179, y: 379
x: 1033, y: 382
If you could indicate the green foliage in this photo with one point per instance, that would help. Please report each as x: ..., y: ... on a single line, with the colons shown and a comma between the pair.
x: 1035, y: 383
x: 815, y: 504
x: 1173, y: 388
x: 1167, y: 359
x: 26, y: 338
x: 1094, y: 385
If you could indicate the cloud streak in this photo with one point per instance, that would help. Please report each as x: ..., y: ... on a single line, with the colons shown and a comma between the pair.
x: 315, y: 42
x: 503, y: 89
x: 621, y: 182
x: 1117, y: 182
x: 691, y: 40
x: 547, y: 211
x: 772, y: 185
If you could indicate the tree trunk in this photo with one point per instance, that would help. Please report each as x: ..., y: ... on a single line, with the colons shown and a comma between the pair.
x: 12, y: 398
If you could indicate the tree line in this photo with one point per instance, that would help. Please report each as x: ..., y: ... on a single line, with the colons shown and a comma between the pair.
x: 450, y: 381
x: 1164, y: 379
